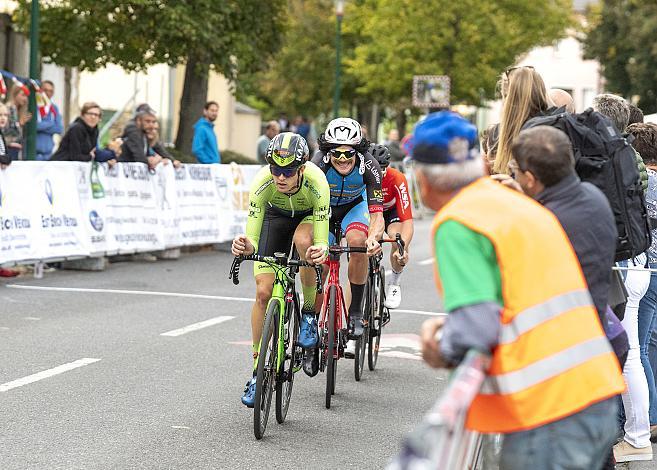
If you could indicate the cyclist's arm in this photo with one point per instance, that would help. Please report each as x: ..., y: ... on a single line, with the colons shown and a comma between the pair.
x: 321, y: 213
x: 372, y: 180
x: 403, y: 204
x: 259, y: 195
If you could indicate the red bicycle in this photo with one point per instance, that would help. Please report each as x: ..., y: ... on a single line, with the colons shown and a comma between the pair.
x: 333, y: 321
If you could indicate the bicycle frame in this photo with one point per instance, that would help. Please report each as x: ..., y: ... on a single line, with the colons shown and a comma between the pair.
x: 342, y: 317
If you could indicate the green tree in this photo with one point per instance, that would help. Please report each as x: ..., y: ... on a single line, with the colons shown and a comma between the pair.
x: 228, y: 37
x: 471, y: 41
x: 621, y: 38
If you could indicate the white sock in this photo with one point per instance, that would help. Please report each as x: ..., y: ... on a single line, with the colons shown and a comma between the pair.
x: 395, y: 278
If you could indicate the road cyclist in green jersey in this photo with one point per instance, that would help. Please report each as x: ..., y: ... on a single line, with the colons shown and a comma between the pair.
x: 288, y: 203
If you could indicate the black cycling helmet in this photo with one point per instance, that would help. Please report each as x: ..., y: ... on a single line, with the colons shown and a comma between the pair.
x: 287, y: 150
x: 381, y: 154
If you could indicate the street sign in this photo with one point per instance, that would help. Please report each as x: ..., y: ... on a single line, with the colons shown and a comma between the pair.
x: 431, y: 91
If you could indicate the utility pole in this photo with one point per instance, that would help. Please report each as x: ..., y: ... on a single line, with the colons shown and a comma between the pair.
x: 339, y: 13
x: 30, y: 149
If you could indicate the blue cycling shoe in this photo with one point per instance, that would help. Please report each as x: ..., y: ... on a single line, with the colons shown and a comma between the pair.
x: 249, y: 393
x: 308, y: 331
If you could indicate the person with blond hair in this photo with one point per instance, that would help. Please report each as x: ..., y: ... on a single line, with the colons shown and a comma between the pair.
x: 525, y: 96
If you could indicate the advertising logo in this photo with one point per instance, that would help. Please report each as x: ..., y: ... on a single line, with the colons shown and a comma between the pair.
x: 96, y: 221
x: 49, y: 193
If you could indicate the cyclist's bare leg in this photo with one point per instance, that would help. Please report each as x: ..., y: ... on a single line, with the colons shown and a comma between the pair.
x: 264, y: 287
x: 392, y: 231
x: 357, y: 276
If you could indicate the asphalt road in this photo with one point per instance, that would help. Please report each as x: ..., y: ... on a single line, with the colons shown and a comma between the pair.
x: 137, y: 399
x: 112, y: 392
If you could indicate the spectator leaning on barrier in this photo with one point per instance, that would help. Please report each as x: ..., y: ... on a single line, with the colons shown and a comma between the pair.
x: 5, y: 159
x: 48, y: 125
x: 80, y: 142
x: 204, y: 145
x: 135, y: 139
x: 505, y: 268
x: 645, y: 142
x: 271, y: 130
x: 18, y: 117
x: 155, y: 147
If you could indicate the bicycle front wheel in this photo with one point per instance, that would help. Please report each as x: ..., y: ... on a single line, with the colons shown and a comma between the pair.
x: 376, y: 319
x: 293, y: 354
x: 331, y: 363
x: 266, y: 370
x: 361, y: 343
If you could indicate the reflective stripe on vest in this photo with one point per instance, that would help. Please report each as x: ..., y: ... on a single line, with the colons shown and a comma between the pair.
x: 537, y: 314
x: 539, y: 371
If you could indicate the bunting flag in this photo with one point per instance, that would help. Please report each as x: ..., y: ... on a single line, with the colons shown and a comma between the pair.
x: 3, y: 88
x: 44, y: 105
x: 22, y: 85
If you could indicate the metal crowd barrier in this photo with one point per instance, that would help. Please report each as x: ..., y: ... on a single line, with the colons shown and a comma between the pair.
x: 441, y: 440
x: 406, y: 167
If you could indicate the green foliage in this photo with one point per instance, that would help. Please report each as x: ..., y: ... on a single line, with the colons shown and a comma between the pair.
x: 621, y: 37
x: 472, y: 41
x: 230, y: 36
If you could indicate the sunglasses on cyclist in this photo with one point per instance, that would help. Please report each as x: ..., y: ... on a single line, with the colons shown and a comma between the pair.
x: 278, y: 171
x: 343, y: 155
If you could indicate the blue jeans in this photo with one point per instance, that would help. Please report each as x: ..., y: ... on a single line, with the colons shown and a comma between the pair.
x: 580, y: 441
x: 647, y: 327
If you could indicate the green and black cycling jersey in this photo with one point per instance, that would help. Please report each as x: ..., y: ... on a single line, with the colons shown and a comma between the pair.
x: 312, y: 197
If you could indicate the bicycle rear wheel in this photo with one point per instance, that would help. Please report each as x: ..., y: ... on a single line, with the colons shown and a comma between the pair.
x: 292, y: 352
x: 266, y: 370
x: 376, y: 316
x: 331, y: 363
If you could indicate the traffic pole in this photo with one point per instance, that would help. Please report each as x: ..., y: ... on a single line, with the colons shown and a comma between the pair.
x: 30, y: 149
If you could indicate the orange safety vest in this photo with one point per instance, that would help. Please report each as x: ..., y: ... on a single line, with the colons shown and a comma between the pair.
x: 552, y: 359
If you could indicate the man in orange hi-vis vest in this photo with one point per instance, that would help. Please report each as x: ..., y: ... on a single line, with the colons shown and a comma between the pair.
x: 513, y: 288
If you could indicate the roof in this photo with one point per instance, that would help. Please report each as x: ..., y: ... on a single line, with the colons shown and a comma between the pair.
x: 244, y: 109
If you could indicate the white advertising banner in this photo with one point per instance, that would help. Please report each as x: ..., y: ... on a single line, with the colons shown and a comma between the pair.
x: 55, y: 210
x: 133, y: 218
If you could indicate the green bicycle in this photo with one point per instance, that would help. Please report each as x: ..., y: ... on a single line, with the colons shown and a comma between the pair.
x: 280, y: 355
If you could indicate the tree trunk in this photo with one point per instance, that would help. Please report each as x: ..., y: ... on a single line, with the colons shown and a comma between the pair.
x: 400, y: 119
x: 194, y: 96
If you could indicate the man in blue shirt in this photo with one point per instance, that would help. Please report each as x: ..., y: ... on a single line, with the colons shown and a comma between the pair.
x: 48, y: 125
x: 204, y: 145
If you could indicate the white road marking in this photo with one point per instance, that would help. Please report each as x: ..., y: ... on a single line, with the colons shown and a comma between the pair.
x: 47, y: 373
x: 418, y: 312
x: 4, y: 328
x: 131, y: 292
x: 196, y: 326
x: 180, y: 427
x: 425, y: 262
x: 32, y: 318
x: 400, y: 355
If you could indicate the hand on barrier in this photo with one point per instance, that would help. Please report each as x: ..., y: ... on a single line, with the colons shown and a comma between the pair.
x: 430, y: 345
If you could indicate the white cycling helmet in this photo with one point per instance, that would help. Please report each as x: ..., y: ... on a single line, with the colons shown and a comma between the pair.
x: 343, y: 131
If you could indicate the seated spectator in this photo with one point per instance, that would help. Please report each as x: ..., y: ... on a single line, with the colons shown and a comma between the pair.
x: 645, y: 142
x: 80, y: 142
x: 525, y: 97
x: 18, y: 117
x: 5, y: 159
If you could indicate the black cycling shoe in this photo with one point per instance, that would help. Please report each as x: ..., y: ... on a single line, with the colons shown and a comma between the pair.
x: 311, y: 362
x: 355, y: 327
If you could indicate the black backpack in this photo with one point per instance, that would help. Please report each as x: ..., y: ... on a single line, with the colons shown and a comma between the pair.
x: 606, y: 159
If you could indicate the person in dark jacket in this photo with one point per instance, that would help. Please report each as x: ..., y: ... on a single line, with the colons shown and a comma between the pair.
x: 135, y: 139
x: 80, y: 142
x: 543, y: 167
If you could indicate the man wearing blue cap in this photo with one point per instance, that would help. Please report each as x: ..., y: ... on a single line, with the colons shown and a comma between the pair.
x: 514, y: 289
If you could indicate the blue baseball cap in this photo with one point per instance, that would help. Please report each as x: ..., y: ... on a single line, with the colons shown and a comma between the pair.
x: 444, y: 137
